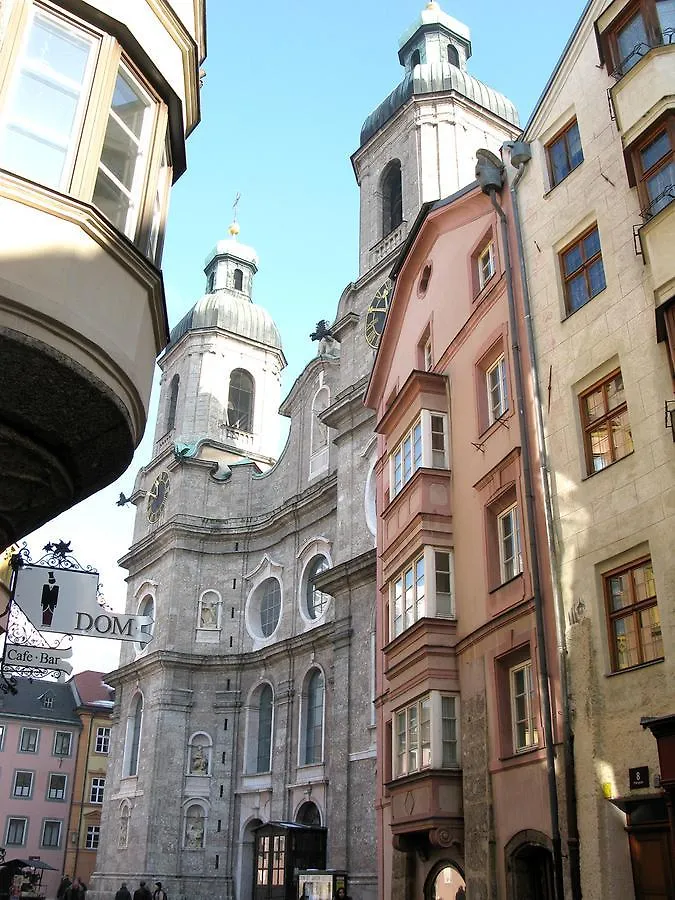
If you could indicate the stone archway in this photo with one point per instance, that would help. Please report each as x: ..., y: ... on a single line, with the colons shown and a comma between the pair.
x: 445, y: 882
x: 529, y: 866
x: 247, y: 860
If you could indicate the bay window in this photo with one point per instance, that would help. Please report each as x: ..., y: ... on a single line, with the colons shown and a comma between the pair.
x: 642, y: 25
x: 414, y: 596
x: 426, y: 735
x: 77, y: 118
x: 424, y: 445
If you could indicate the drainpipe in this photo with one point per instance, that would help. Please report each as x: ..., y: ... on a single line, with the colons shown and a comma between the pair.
x: 520, y: 154
x: 489, y: 172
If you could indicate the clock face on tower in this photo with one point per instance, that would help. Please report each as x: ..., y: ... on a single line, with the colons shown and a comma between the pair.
x: 376, y: 314
x: 157, y: 496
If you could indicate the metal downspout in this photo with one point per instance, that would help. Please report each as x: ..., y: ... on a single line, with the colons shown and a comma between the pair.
x: 542, y: 657
x: 571, y: 816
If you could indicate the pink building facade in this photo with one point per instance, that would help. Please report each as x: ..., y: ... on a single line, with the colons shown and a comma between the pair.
x: 467, y: 694
x: 39, y: 732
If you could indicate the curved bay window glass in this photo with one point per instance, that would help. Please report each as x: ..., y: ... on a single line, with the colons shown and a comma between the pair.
x: 240, y: 401
x: 392, y: 198
x: 313, y: 743
x: 134, y: 727
x: 264, y: 748
x: 76, y: 117
x: 270, y: 606
x: 317, y: 601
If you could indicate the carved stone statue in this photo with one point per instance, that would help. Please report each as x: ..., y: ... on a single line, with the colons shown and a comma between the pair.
x: 329, y: 348
x: 208, y: 613
x: 194, y: 832
x: 199, y: 760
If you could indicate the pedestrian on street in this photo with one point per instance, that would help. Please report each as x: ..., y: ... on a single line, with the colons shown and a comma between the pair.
x: 123, y: 893
x: 63, y: 887
x: 142, y: 892
x: 76, y: 891
x: 159, y: 893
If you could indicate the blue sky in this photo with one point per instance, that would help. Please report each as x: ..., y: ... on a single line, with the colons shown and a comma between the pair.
x: 287, y: 88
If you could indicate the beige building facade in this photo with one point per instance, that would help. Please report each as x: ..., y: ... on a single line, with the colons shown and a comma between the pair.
x: 96, y: 102
x: 598, y: 231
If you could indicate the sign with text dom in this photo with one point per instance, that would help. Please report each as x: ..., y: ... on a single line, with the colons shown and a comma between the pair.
x: 66, y: 601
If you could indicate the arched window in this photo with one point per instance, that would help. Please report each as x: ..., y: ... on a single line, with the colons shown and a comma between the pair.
x: 317, y: 601
x: 264, y: 737
x: 313, y: 737
x: 173, y: 402
x: 319, y: 429
x: 453, y: 55
x: 211, y: 281
x: 415, y: 59
x: 238, y: 280
x: 392, y: 197
x: 133, y: 739
x: 445, y: 883
x: 195, y: 820
x: 270, y: 606
x: 146, y: 608
x: 308, y: 814
x: 240, y: 400
x: 199, y: 756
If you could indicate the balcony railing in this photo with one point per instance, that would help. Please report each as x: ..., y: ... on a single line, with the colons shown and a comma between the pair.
x: 665, y: 198
x: 389, y: 242
x: 642, y: 49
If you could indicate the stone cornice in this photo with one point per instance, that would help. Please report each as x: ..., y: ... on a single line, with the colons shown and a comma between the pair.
x: 348, y: 575
x: 347, y: 411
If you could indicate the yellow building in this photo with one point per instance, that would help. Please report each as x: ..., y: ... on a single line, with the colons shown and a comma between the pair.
x: 94, y: 701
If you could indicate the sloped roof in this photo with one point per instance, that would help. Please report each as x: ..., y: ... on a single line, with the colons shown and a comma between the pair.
x: 28, y: 702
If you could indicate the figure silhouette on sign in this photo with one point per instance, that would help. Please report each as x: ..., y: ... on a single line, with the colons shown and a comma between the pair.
x: 50, y: 597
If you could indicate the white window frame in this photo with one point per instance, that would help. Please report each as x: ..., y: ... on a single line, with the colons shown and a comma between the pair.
x: 530, y: 720
x: 73, y: 140
x: 24, y: 731
x: 93, y: 832
x: 22, y: 795
x: 97, y: 789
x: 70, y: 743
x: 24, y: 832
x: 415, y: 450
x: 50, y: 789
x: 509, y: 566
x: 103, y: 733
x: 2, y: 736
x: 45, y: 823
x: 134, y: 194
x: 497, y: 410
x: 486, y: 264
x: 428, y: 355
x: 412, y: 750
x: 406, y: 610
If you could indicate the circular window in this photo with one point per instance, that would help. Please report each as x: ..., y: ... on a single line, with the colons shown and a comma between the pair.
x: 317, y: 601
x: 270, y: 606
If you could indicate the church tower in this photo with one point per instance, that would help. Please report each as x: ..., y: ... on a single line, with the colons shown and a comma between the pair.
x: 221, y: 370
x: 420, y: 143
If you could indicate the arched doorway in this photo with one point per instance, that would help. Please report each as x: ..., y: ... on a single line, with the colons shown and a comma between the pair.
x: 247, y: 860
x: 445, y: 882
x: 529, y: 864
x: 308, y: 814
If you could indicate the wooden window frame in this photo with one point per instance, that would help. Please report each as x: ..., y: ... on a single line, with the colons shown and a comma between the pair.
x: 426, y: 605
x: 589, y: 425
x: 487, y: 251
x: 24, y: 832
x: 88, y: 133
x: 665, y: 125
x: 60, y: 735
x: 512, y: 512
x: 503, y: 383
x: 45, y: 823
x: 583, y: 269
x: 36, y: 748
x: 21, y: 795
x: 51, y: 790
x: 633, y: 610
x: 557, y: 137
x: 97, y: 789
x: 647, y: 8
x: 93, y: 837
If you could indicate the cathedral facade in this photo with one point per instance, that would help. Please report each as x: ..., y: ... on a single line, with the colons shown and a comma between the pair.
x: 255, y: 700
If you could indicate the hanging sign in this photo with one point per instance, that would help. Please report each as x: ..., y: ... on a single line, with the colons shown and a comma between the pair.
x: 66, y: 601
x: 39, y: 657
